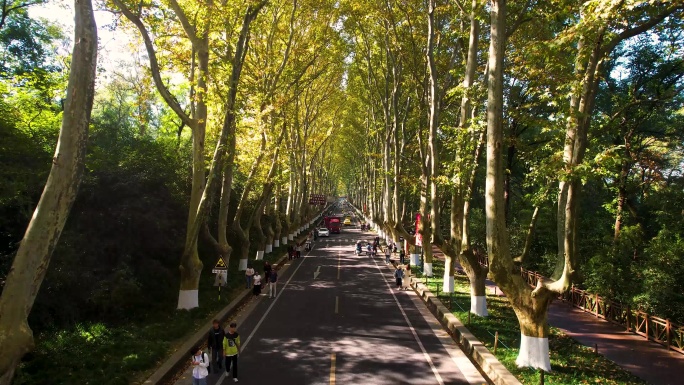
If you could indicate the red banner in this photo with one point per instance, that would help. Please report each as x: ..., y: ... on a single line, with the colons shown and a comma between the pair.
x: 419, y: 236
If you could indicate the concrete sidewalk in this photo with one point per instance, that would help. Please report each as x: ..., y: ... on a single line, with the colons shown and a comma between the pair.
x: 645, y: 359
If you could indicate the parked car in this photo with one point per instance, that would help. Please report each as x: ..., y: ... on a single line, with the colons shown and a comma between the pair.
x: 323, y: 232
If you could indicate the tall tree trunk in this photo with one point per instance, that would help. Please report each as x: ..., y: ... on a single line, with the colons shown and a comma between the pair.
x: 243, y: 232
x: 191, y: 267
x: 42, y: 234
x: 622, y: 192
x: 531, y: 311
x: 267, y: 224
x: 425, y: 230
x: 476, y: 273
x: 277, y: 213
x: 433, y: 122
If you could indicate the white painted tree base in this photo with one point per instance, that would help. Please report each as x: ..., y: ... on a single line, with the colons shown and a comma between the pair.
x: 478, y: 305
x: 427, y: 269
x: 274, y: 245
x: 290, y: 237
x: 415, y: 259
x: 284, y: 241
x: 243, y: 265
x: 259, y: 256
x: 448, y: 283
x: 269, y: 248
x: 188, y: 299
x: 534, y: 353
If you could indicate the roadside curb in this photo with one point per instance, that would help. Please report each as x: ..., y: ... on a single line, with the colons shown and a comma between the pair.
x: 179, y: 358
x: 471, y: 346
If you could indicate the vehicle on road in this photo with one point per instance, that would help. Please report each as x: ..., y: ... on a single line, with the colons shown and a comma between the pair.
x: 333, y: 223
x: 323, y: 232
x: 347, y: 221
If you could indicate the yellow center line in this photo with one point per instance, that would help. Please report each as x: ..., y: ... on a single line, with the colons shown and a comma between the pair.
x: 333, y: 358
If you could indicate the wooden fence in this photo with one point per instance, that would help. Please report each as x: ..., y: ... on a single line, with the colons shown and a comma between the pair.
x: 660, y: 330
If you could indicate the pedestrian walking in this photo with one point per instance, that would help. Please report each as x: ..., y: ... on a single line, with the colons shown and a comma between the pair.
x: 387, y: 255
x: 272, y: 281
x: 406, y: 282
x: 257, y: 284
x: 398, y: 275
x: 267, y: 270
x: 231, y: 345
x: 402, y: 256
x: 249, y: 276
x: 299, y: 250
x: 200, y: 364
x: 215, y: 343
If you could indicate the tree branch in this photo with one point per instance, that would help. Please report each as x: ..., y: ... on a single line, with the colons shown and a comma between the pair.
x: 154, y: 66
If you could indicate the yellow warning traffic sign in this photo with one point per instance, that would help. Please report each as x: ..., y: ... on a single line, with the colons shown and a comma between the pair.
x: 220, y: 264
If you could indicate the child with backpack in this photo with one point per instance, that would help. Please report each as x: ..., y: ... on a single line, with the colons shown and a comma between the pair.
x: 200, y: 363
x: 399, y: 274
x: 231, y: 347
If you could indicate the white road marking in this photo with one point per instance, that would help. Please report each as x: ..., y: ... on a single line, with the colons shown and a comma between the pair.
x: 273, y: 303
x: 470, y: 372
x: 410, y: 325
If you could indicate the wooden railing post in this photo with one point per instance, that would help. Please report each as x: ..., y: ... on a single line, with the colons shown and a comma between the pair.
x: 596, y: 305
x: 496, y: 341
x: 627, y: 316
x: 648, y: 336
x: 667, y: 330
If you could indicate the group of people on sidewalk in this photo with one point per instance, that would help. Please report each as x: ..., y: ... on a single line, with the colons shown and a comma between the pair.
x: 254, y: 280
x: 402, y: 272
x: 402, y: 276
x: 295, y: 251
x: 224, y: 347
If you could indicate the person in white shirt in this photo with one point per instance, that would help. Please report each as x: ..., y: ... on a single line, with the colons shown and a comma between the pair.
x: 257, y: 285
x: 200, y: 363
x: 249, y: 275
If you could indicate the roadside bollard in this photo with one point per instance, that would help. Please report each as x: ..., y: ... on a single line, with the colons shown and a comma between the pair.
x: 541, y: 376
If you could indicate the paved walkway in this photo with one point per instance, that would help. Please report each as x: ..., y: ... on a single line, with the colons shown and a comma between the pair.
x: 645, y: 359
x: 338, y: 319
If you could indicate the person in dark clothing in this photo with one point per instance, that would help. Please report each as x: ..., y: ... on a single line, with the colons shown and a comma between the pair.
x: 267, y: 270
x: 215, y: 343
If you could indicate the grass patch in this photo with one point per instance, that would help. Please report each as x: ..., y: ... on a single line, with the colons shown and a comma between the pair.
x: 571, y: 362
x: 120, y: 354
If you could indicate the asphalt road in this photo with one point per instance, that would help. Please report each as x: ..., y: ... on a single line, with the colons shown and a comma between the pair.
x: 338, y: 319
